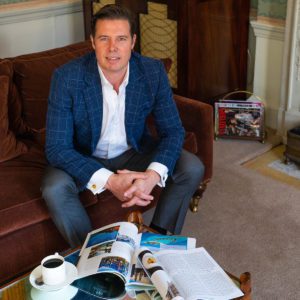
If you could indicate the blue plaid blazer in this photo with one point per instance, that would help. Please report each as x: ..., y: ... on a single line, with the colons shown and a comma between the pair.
x: 74, y: 116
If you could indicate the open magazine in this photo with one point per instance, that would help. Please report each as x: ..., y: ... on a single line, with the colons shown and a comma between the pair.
x: 107, y: 264
x: 191, y: 275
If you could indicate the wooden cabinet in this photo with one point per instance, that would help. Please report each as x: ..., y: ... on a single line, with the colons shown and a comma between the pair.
x: 212, y: 40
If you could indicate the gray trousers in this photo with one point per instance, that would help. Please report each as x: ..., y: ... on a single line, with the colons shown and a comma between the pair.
x: 62, y: 196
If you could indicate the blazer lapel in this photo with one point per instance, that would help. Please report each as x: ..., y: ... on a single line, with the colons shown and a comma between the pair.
x: 94, y: 99
x: 133, y: 98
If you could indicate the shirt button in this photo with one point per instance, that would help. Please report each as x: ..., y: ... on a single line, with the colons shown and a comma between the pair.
x: 94, y: 186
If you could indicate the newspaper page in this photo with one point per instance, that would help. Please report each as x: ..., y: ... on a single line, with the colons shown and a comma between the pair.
x: 197, y: 275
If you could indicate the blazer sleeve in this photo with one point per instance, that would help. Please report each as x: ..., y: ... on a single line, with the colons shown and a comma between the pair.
x: 60, y: 150
x: 168, y: 123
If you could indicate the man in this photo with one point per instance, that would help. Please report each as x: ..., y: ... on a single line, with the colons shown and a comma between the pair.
x: 97, y: 136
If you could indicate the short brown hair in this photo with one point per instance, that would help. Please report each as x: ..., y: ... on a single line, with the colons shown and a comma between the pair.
x: 114, y: 12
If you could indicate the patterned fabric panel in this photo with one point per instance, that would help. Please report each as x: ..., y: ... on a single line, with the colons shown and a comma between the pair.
x: 98, y: 5
x: 159, y: 36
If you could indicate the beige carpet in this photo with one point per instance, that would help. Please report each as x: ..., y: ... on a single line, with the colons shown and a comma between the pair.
x: 250, y: 222
x: 262, y: 165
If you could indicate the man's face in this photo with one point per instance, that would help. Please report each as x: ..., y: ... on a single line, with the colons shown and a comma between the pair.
x: 113, y: 44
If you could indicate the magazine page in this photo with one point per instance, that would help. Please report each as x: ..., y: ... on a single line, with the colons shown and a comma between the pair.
x: 91, y: 288
x: 159, y: 277
x: 97, y: 286
x: 139, y: 279
x: 197, y: 275
x: 108, y: 249
x: 148, y: 295
x: 231, y: 103
x: 155, y: 242
x: 239, y: 119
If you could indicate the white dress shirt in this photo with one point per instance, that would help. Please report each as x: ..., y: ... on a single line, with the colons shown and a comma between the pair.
x: 113, y: 140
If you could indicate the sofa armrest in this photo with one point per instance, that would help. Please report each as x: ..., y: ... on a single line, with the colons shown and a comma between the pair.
x: 197, y: 117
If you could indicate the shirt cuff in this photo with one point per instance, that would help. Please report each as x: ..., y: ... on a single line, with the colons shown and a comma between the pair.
x: 162, y: 170
x: 98, y: 181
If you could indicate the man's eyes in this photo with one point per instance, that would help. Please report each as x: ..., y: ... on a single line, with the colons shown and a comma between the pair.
x: 103, y: 38
x: 119, y: 39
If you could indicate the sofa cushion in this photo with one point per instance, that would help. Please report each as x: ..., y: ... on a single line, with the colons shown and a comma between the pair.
x: 33, y: 78
x: 16, y: 123
x: 6, y: 67
x: 85, y: 45
x: 190, y: 142
x: 33, y: 74
x: 9, y: 146
x: 21, y: 202
x: 69, y: 48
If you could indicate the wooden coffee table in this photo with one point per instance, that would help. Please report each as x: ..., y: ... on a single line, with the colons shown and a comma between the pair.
x: 20, y: 288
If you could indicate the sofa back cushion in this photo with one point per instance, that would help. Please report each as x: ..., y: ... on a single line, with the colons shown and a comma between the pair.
x: 70, y: 48
x: 33, y: 78
x: 9, y: 146
x: 16, y: 123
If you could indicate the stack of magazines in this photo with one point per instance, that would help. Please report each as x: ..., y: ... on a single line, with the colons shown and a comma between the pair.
x: 116, y: 261
x: 239, y: 119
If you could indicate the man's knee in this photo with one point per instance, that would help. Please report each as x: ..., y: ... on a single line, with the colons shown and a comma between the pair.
x: 190, y: 166
x: 197, y: 168
x: 55, y: 185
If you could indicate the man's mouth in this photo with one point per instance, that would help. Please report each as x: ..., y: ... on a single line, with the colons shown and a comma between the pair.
x: 112, y: 58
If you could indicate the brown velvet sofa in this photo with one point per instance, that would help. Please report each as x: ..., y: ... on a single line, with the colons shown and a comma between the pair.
x: 27, y: 233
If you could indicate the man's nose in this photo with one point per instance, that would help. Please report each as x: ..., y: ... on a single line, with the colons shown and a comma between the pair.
x: 112, y: 45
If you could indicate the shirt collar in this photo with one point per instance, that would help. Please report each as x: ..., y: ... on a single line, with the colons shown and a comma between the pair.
x: 105, y: 82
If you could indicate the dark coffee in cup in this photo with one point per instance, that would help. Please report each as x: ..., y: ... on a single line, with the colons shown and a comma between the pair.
x: 53, y: 269
x: 52, y: 263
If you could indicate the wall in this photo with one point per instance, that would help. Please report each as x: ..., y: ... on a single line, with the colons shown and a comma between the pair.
x: 289, y: 111
x: 268, y: 25
x: 11, y: 1
x: 37, y: 25
x: 275, y: 9
x: 251, y: 47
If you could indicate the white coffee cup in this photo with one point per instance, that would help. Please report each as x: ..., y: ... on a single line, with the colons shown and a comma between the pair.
x: 53, y: 269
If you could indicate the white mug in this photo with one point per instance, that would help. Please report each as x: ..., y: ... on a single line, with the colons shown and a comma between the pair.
x: 53, y: 269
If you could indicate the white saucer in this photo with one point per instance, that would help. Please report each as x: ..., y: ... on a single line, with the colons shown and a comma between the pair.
x: 68, y: 292
x: 71, y: 275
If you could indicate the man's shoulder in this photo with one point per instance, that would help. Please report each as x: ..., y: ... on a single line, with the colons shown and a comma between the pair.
x: 145, y: 63
x: 145, y: 60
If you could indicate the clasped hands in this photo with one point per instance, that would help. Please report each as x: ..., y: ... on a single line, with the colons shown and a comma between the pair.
x: 133, y: 188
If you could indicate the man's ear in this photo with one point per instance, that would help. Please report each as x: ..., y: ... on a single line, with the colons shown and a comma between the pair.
x: 92, y: 41
x: 133, y: 41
